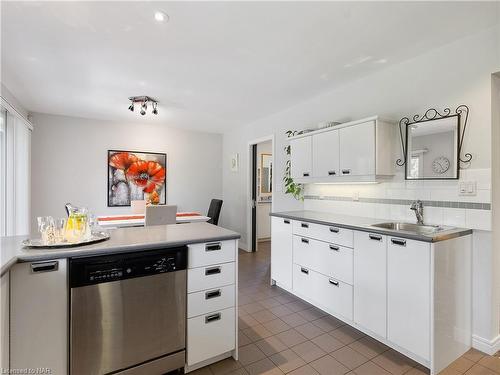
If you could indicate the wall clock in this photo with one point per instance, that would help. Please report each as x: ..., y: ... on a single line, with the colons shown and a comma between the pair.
x: 440, y: 165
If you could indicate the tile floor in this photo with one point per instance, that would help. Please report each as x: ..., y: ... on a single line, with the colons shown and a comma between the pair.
x: 280, y: 334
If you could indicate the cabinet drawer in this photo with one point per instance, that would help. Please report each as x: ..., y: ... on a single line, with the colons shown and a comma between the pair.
x: 203, y: 278
x: 326, y: 258
x: 331, y: 294
x: 328, y: 233
x: 210, y: 300
x: 204, y: 254
x: 210, y: 335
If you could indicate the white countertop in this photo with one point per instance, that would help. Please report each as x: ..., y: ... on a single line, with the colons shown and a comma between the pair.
x: 122, y: 240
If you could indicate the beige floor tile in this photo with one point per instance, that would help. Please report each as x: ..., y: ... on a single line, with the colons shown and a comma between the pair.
x: 287, y: 360
x: 291, y: 337
x: 309, y: 330
x: 225, y: 366
x: 280, y: 311
x: 264, y: 316
x: 328, y: 365
x: 347, y: 334
x: 304, y: 370
x: 312, y: 314
x: 276, y: 326
x: 369, y: 347
x: 474, y: 355
x: 245, y: 321
x: 202, y: 371
x: 418, y: 371
x: 477, y: 369
x: 271, y: 345
x: 327, y: 342
x: 252, y: 308
x: 249, y: 354
x: 462, y: 364
x: 394, y: 362
x: 493, y: 363
x: 349, y: 357
x: 240, y: 371
x: 309, y: 351
x: 257, y: 332
x: 450, y: 371
x: 294, y: 320
x: 270, y: 302
x: 298, y: 305
x: 263, y: 367
x: 370, y: 368
x: 328, y: 323
x: 243, y: 339
x: 286, y: 298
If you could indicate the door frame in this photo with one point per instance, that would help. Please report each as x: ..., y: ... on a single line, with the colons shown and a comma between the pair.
x: 249, y: 179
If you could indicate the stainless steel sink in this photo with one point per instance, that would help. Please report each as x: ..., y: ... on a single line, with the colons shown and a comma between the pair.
x: 412, y: 228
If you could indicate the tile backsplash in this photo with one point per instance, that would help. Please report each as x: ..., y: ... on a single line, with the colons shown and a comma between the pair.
x: 391, y: 200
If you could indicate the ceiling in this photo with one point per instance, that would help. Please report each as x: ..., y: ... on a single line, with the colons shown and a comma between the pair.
x: 214, y: 65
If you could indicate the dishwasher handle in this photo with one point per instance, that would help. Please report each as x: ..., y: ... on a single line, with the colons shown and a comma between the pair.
x: 39, y: 267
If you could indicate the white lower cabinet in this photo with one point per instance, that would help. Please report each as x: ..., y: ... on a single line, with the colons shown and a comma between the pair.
x: 39, y: 316
x: 408, y: 295
x: 4, y: 324
x: 281, y: 252
x: 370, y: 282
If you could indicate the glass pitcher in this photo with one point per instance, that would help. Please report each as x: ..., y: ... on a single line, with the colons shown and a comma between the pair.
x: 77, y: 225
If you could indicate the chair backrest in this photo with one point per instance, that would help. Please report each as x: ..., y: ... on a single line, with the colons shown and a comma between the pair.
x: 214, y: 211
x: 160, y: 215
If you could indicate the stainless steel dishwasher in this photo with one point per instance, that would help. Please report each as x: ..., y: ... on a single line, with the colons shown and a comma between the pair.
x: 128, y: 313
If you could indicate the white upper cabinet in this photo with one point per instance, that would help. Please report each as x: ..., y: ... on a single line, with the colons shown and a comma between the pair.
x: 301, y: 157
x: 325, y: 154
x: 355, y: 151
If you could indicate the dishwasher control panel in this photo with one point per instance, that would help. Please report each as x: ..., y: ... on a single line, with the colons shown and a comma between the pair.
x: 109, y: 268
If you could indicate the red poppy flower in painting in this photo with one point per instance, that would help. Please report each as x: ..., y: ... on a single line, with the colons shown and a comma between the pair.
x: 122, y: 160
x: 147, y: 174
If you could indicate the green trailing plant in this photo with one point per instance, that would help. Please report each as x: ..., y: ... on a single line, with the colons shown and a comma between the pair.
x: 291, y: 187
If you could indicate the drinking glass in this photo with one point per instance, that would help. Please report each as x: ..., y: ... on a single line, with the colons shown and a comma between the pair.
x: 60, y: 229
x: 46, y: 229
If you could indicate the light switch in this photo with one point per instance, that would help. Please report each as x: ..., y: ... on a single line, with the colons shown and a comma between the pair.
x: 467, y: 188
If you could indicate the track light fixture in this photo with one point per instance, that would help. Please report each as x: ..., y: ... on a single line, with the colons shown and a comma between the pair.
x: 143, y: 101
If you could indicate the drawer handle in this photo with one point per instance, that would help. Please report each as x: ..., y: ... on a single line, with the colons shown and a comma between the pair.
x: 346, y: 171
x: 398, y: 242
x: 304, y: 225
x: 213, y: 294
x: 40, y: 267
x: 332, y: 173
x: 304, y: 270
x: 334, y: 282
x: 334, y: 230
x: 286, y: 221
x: 305, y: 174
x: 213, y: 246
x: 212, y: 271
x: 375, y: 237
x: 212, y: 318
x: 305, y: 240
x: 334, y: 248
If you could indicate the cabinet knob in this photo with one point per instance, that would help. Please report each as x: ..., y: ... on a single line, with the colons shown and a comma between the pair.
x: 332, y: 173
x: 334, y: 230
x: 305, y: 240
x: 40, y: 267
x: 334, y: 248
x: 346, y: 171
x: 286, y: 221
x: 305, y: 174
x: 213, y: 246
x: 334, y: 282
x: 212, y: 318
x: 399, y: 242
x: 304, y: 270
x: 375, y: 237
x: 304, y: 225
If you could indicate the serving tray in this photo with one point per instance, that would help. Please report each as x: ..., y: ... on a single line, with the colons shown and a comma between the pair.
x: 37, y: 243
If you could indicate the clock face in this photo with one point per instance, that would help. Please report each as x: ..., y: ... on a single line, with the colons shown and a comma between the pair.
x: 440, y: 165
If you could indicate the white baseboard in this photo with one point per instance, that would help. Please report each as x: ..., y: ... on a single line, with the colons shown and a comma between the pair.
x: 486, y: 346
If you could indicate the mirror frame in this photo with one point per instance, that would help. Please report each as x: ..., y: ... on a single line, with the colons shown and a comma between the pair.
x: 456, y: 176
x: 261, y: 174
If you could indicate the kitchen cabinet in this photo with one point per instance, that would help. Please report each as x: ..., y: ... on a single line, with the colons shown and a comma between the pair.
x: 4, y: 324
x: 370, y: 282
x: 409, y: 294
x: 301, y: 157
x: 325, y: 154
x: 281, y: 252
x: 39, y: 315
x: 357, y: 149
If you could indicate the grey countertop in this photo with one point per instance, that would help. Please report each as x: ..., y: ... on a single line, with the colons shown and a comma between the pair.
x: 365, y: 224
x: 122, y: 240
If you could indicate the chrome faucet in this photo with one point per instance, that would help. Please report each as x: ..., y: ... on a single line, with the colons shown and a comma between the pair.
x: 418, y: 207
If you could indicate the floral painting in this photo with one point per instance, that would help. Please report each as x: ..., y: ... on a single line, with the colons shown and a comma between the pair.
x: 136, y: 176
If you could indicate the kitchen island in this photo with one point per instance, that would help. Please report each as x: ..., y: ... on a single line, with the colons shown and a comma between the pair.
x: 39, y: 291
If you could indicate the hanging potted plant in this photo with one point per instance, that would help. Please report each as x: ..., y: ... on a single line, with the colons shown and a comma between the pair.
x: 291, y: 187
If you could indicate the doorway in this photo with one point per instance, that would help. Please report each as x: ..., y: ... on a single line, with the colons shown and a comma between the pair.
x: 261, y: 192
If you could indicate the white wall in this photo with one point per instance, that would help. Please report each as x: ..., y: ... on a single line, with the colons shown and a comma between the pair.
x: 69, y: 163
x: 458, y: 73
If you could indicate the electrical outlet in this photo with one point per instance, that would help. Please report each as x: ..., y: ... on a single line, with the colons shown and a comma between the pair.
x: 467, y: 188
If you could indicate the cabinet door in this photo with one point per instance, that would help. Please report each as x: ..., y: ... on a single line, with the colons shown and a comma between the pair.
x: 408, y: 295
x: 281, y: 252
x: 301, y: 157
x: 39, y: 315
x: 325, y: 151
x: 370, y: 282
x: 357, y: 149
x: 4, y: 327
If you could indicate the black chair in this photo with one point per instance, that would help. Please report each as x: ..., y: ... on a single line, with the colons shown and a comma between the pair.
x: 214, y: 211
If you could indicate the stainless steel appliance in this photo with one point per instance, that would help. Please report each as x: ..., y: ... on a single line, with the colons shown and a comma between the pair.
x: 128, y: 313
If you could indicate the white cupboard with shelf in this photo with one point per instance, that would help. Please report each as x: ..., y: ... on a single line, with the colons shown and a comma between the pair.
x: 325, y: 154
x: 281, y: 255
x: 301, y: 157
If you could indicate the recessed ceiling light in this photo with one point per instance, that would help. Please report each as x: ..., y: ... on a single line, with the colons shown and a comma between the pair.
x: 161, y: 16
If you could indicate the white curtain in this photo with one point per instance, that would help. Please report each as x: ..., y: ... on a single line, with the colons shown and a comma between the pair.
x: 15, y: 156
